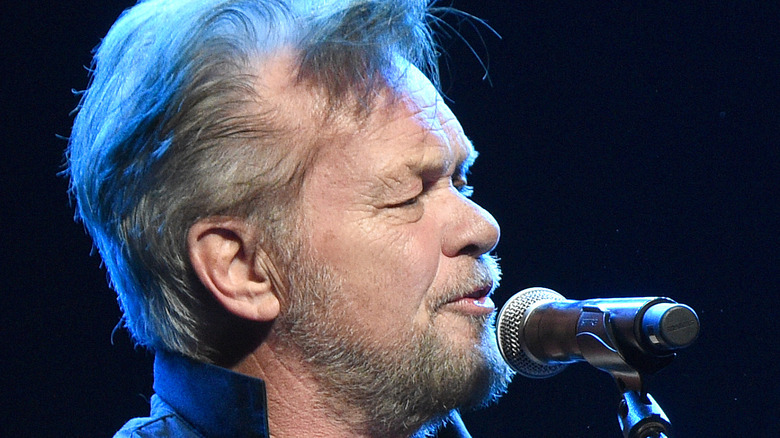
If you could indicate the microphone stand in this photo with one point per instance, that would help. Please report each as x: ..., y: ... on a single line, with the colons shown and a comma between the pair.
x: 629, y: 338
x: 641, y: 417
x: 606, y: 341
x: 639, y: 414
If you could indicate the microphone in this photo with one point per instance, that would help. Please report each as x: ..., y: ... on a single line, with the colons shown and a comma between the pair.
x: 540, y: 332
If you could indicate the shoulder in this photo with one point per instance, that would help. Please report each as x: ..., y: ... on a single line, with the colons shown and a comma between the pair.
x: 162, y: 421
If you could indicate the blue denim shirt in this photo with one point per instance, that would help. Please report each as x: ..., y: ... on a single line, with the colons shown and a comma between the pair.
x: 197, y: 400
x: 194, y: 399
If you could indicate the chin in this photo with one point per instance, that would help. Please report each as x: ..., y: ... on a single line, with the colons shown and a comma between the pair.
x: 465, y: 328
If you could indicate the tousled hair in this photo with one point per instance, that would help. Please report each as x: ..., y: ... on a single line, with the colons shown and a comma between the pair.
x: 172, y: 129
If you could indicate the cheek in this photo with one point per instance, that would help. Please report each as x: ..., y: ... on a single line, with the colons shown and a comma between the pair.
x: 386, y: 271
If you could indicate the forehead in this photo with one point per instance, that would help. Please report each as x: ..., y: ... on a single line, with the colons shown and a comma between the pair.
x: 410, y: 128
x: 408, y: 117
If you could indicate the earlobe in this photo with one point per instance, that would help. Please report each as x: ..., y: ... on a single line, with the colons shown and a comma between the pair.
x: 223, y: 255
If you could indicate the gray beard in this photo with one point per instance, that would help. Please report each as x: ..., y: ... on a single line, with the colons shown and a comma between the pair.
x: 412, y: 386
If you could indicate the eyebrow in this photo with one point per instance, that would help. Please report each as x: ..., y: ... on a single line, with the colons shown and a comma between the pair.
x: 459, y: 167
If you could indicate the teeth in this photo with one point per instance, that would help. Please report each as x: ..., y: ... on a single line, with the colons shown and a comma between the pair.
x: 479, y: 294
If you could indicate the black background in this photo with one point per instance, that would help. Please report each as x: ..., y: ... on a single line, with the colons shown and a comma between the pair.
x: 627, y: 148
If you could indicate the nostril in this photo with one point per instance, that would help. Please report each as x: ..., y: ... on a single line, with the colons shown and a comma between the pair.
x: 471, y: 249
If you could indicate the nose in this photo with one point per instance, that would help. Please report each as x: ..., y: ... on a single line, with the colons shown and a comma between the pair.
x: 470, y: 230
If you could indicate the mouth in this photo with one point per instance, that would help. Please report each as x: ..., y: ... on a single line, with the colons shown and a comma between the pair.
x: 479, y: 293
x: 475, y: 302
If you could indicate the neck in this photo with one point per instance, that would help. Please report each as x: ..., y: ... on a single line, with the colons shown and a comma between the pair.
x: 296, y: 405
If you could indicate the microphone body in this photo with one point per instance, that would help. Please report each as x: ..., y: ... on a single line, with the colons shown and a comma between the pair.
x: 540, y: 333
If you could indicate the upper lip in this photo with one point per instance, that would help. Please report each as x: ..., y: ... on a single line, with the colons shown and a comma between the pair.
x: 481, y: 291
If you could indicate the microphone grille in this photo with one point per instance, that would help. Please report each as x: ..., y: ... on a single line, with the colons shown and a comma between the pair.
x: 509, y: 330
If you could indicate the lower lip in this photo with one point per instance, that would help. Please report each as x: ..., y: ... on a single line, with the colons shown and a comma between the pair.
x: 473, y: 306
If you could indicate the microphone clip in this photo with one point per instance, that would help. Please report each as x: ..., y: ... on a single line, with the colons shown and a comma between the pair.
x: 608, y: 341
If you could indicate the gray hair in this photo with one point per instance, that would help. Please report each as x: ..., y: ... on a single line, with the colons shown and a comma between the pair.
x: 171, y: 130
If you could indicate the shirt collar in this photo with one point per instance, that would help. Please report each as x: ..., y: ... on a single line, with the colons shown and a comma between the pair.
x: 216, y: 401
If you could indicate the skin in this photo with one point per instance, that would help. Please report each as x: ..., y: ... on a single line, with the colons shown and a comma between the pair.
x: 386, y: 211
x: 385, y: 208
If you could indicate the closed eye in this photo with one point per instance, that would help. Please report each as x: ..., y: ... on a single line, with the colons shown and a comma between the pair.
x: 409, y: 202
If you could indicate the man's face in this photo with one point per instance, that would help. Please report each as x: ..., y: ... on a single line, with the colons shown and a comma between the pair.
x: 387, y: 210
x: 394, y: 274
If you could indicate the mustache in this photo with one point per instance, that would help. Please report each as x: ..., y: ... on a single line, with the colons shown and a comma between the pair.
x: 484, y: 275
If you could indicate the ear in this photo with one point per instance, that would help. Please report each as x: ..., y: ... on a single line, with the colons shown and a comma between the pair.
x: 223, y: 255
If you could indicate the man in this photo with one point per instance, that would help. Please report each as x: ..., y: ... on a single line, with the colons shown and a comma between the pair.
x: 279, y: 195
